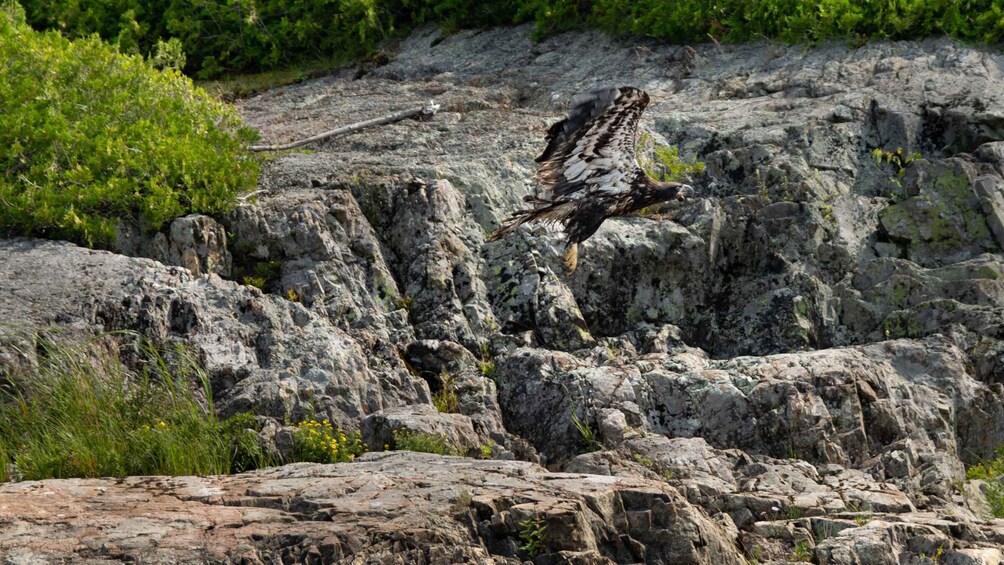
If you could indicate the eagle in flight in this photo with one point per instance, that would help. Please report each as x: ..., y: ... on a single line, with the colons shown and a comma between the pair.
x: 589, y: 168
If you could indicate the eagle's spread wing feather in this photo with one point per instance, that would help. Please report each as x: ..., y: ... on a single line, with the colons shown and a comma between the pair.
x: 593, y: 149
x: 589, y: 168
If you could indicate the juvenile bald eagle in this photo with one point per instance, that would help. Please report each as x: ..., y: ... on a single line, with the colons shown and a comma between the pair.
x: 589, y: 168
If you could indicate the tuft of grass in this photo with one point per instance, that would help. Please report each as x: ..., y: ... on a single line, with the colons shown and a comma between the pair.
x: 318, y: 441
x: 801, y: 552
x: 244, y: 85
x: 486, y: 363
x: 992, y: 471
x: 586, y: 433
x: 445, y: 400
x: 404, y: 302
x: 425, y: 443
x: 91, y: 140
x: 84, y: 413
x: 261, y: 274
x: 463, y: 501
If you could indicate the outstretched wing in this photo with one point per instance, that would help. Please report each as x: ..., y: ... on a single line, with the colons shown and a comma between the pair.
x: 593, y: 148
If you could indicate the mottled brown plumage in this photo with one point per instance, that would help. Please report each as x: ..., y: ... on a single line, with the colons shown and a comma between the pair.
x: 590, y: 170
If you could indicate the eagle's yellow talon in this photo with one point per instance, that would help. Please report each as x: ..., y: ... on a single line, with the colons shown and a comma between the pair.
x: 571, y: 258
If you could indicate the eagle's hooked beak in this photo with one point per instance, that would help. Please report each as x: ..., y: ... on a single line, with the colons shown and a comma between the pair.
x: 685, y: 191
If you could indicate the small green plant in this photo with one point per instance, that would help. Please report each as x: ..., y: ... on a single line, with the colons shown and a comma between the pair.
x: 425, y: 443
x: 260, y: 274
x: 487, y: 363
x: 487, y: 450
x: 644, y: 461
x: 826, y: 208
x: 586, y: 433
x: 445, y: 399
x: 404, y: 302
x: 897, y: 160
x: 84, y: 413
x: 991, y: 471
x: 168, y: 55
x: 936, y: 558
x: 663, y: 162
x: 802, y: 552
x: 533, y: 533
x: 318, y: 442
x: 292, y: 295
x: 257, y: 282
x: 862, y: 519
x: 647, y: 462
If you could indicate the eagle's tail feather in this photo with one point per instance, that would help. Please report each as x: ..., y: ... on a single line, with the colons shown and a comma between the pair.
x: 551, y: 212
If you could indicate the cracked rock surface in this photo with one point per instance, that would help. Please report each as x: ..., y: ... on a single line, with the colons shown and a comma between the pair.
x: 799, y: 362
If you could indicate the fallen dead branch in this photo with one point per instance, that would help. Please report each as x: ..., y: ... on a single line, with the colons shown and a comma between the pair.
x: 422, y: 113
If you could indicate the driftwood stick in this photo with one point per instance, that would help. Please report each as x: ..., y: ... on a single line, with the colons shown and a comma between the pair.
x: 422, y: 113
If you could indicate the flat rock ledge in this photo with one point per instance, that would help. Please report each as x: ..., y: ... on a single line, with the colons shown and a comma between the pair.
x: 405, y: 507
x: 394, y: 507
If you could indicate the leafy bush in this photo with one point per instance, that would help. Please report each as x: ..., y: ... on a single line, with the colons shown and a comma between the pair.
x: 799, y: 20
x: 84, y: 414
x: 261, y: 34
x: 90, y: 138
x: 135, y: 25
x: 318, y: 442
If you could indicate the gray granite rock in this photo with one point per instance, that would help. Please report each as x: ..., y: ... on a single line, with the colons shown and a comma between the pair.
x: 806, y: 355
x: 263, y: 353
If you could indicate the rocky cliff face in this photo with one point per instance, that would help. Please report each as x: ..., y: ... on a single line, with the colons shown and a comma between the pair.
x: 799, y: 363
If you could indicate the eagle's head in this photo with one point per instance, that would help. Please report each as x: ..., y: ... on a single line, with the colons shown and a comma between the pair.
x: 665, y: 191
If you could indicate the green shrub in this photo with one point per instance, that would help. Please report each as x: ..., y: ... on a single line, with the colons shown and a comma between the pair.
x: 135, y: 25
x: 992, y: 471
x: 687, y: 21
x: 90, y: 138
x: 84, y: 414
x: 249, y: 35
x: 318, y: 442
